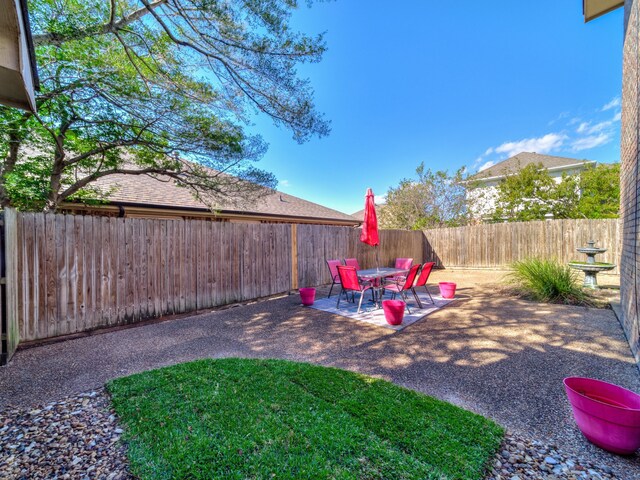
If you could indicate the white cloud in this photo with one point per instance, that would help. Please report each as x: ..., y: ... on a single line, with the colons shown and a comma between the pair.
x: 574, y: 120
x: 486, y: 165
x: 615, y: 102
x: 284, y: 183
x: 586, y: 127
x: 544, y: 144
x: 488, y: 152
x: 559, y: 117
x: 591, y: 141
x: 582, y: 127
x: 380, y: 199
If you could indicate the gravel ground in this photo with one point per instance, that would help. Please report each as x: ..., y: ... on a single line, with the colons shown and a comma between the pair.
x: 78, y: 438
x: 75, y: 438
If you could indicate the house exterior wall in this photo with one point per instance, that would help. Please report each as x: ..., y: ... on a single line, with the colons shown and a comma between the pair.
x: 630, y: 178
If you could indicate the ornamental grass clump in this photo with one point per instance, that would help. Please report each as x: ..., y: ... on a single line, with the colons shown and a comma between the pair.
x: 548, y: 281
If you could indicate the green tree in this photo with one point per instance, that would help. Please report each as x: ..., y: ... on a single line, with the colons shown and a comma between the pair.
x: 599, y: 192
x: 532, y: 194
x: 163, y: 88
x: 434, y: 199
x: 527, y: 195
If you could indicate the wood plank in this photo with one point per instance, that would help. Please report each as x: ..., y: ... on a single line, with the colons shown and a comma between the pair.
x: 78, y: 290
x: 40, y: 293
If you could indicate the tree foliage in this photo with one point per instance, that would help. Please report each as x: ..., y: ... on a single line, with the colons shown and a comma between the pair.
x: 434, y: 199
x: 599, y: 192
x: 163, y: 88
x: 532, y: 194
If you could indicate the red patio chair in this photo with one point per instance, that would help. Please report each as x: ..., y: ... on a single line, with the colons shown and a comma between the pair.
x: 350, y: 283
x: 422, y: 281
x: 333, y: 270
x: 352, y: 262
x: 396, y: 288
x: 405, y: 264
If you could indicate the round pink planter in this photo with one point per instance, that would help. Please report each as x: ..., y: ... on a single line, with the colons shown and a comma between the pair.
x: 447, y: 289
x: 308, y: 296
x: 393, y: 311
x: 608, y: 415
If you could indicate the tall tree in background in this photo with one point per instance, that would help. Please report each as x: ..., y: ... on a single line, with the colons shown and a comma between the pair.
x: 137, y: 86
x: 532, y: 194
x: 599, y: 192
x: 434, y: 199
x: 528, y: 195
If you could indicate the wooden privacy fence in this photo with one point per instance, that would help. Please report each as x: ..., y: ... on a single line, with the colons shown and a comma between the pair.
x: 77, y: 273
x: 66, y: 274
x: 498, y: 245
x: 317, y: 243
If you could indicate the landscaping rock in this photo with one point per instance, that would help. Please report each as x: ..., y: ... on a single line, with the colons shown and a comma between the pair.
x: 531, y: 459
x: 77, y: 437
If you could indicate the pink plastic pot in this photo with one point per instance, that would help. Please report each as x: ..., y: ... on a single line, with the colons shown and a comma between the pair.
x: 447, y: 289
x: 393, y: 311
x: 608, y: 415
x: 308, y: 296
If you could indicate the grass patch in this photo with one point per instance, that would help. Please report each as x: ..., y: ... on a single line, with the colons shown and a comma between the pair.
x: 245, y: 418
x: 548, y: 281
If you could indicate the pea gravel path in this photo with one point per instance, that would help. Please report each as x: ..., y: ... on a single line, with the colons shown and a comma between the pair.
x: 500, y: 357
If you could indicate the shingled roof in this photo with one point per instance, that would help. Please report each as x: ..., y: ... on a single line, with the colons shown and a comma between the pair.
x: 146, y: 191
x: 517, y: 162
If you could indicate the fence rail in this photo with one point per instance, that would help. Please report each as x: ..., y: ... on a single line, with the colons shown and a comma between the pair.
x: 498, y: 245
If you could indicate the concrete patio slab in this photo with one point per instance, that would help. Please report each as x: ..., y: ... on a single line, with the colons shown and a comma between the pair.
x: 501, y: 357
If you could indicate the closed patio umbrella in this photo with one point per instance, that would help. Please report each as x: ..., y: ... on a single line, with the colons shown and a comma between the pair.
x: 369, y: 233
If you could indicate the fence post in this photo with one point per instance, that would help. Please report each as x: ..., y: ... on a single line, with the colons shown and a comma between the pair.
x: 294, y: 256
x: 9, y: 332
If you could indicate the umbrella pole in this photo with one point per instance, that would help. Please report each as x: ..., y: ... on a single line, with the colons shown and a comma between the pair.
x: 377, y: 257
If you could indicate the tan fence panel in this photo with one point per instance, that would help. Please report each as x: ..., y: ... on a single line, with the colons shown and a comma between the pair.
x: 78, y: 273
x: 318, y: 243
x: 498, y: 245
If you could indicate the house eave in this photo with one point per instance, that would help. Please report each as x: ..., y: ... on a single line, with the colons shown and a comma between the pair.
x: 18, y: 73
x: 138, y: 209
x: 592, y: 9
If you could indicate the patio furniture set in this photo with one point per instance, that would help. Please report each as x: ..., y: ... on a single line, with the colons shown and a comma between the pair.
x: 400, y: 280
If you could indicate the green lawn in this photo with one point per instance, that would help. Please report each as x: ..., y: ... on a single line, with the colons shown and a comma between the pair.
x: 243, y: 418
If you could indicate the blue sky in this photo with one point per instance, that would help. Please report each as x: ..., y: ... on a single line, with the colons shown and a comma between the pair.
x: 451, y: 84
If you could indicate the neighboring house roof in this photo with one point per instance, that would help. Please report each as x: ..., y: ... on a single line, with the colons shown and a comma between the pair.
x: 146, y: 191
x: 517, y: 162
x: 359, y: 215
x: 18, y: 73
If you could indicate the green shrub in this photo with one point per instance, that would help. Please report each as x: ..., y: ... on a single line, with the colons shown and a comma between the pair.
x: 548, y: 281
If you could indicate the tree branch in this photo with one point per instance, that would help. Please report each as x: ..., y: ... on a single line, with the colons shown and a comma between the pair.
x: 110, y: 27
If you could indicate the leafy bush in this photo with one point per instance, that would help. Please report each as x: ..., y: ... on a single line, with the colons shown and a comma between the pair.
x: 548, y: 281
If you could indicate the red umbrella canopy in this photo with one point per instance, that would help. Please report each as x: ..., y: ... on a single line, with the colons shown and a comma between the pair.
x: 369, y: 233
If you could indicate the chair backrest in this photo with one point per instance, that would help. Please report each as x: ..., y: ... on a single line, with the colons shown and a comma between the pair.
x: 404, y: 262
x: 352, y: 262
x: 333, y: 268
x: 424, y: 274
x: 348, y: 277
x: 411, y: 276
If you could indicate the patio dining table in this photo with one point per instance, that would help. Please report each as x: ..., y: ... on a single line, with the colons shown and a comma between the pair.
x: 378, y: 274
